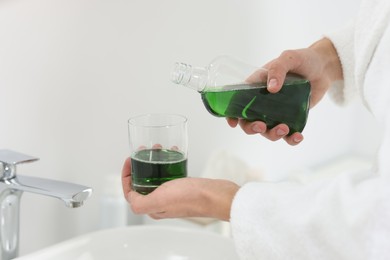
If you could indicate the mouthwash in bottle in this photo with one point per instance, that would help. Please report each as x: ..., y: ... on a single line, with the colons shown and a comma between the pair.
x: 230, y: 88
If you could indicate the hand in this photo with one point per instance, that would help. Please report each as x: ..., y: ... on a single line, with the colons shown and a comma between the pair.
x: 184, y: 197
x: 319, y: 64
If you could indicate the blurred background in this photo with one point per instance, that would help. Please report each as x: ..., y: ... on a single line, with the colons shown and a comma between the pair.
x: 72, y: 73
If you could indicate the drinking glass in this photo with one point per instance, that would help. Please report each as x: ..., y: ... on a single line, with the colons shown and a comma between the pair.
x: 158, y: 150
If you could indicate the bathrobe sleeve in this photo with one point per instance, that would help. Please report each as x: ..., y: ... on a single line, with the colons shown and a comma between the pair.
x: 343, y: 40
x: 346, y: 218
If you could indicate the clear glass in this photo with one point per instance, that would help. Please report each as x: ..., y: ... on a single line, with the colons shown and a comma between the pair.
x: 158, y: 150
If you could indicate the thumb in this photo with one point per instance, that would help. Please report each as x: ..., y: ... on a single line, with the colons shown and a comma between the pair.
x: 274, y: 85
x: 276, y: 77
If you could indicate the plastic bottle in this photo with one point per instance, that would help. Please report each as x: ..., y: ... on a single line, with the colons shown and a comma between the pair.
x: 231, y: 88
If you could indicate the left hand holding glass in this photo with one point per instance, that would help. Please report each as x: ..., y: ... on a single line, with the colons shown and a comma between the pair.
x: 184, y: 197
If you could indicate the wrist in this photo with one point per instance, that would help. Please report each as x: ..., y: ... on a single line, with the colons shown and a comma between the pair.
x: 218, y: 198
x: 328, y: 55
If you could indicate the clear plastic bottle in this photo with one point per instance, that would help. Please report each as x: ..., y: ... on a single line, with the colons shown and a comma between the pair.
x: 231, y: 88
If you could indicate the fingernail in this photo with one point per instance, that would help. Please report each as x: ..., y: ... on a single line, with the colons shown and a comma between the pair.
x: 297, y: 139
x: 257, y: 129
x: 280, y: 132
x: 273, y: 83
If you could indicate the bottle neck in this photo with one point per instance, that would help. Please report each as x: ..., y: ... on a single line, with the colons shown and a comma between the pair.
x: 192, y: 77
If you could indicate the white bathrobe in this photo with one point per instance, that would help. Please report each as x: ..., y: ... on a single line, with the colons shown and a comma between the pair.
x: 348, y: 217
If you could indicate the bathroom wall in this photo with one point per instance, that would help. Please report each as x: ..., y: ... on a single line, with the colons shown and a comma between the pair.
x: 72, y: 72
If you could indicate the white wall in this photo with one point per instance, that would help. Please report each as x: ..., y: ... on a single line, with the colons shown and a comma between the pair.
x: 72, y: 72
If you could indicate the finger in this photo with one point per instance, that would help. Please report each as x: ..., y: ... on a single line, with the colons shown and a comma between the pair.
x: 126, y: 177
x: 294, y: 139
x: 252, y: 128
x: 159, y: 215
x: 277, y: 132
x: 157, y: 146
x: 233, y: 122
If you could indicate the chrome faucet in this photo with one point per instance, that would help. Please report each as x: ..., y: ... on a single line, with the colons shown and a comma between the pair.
x: 11, y: 188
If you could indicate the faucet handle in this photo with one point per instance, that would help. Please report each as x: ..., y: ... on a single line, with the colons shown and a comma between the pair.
x: 8, y: 161
x: 12, y: 157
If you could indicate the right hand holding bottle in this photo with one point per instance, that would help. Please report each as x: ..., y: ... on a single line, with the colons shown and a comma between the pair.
x: 319, y: 64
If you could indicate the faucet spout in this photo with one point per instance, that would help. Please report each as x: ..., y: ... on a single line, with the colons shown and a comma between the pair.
x: 72, y: 194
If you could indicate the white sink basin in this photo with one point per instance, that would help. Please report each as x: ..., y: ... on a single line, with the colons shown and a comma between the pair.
x: 141, y: 243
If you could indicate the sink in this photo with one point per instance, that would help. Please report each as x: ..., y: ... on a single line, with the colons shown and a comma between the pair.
x: 141, y: 243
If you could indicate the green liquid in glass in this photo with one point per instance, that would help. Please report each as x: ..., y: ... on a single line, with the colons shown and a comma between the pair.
x: 152, y: 167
